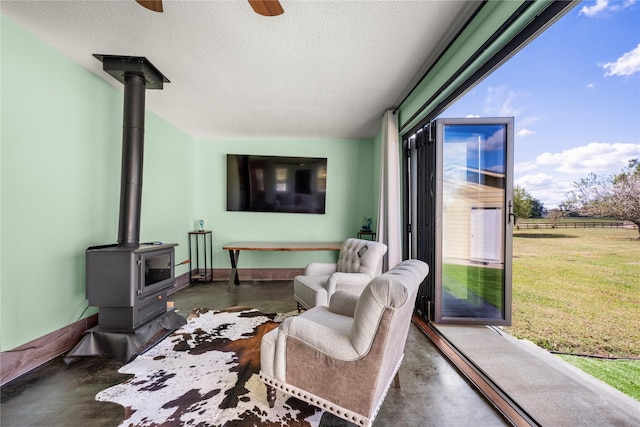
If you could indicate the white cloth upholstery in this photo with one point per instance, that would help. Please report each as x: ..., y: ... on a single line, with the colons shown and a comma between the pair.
x: 343, y: 358
x: 359, y: 262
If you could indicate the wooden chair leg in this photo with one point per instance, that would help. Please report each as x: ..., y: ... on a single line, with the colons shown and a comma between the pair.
x: 271, y: 396
x: 396, y: 381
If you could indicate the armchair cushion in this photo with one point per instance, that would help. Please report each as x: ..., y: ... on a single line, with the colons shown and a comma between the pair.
x: 325, y: 331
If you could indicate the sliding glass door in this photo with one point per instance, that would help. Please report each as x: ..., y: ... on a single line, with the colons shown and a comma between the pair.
x: 459, y: 186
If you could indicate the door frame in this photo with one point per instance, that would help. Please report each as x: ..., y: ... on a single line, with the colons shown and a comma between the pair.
x: 428, y: 303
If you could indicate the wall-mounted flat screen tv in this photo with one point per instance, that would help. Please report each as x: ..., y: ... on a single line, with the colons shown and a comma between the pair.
x: 276, y: 184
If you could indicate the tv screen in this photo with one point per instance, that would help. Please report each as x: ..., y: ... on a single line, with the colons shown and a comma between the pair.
x: 276, y: 184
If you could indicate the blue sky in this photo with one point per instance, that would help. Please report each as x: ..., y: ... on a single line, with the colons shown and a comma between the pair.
x: 575, y: 95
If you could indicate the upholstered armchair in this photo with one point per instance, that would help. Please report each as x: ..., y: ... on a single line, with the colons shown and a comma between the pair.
x: 359, y: 261
x: 343, y: 358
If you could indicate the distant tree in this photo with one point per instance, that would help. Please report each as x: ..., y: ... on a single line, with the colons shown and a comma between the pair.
x: 522, y: 206
x: 616, y: 196
x: 566, y: 207
x: 554, y: 216
x: 537, y: 208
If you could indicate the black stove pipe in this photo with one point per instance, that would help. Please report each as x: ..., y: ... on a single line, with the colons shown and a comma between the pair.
x: 132, y: 160
x: 136, y: 73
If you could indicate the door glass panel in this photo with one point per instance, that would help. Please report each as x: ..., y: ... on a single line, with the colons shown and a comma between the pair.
x: 473, y: 222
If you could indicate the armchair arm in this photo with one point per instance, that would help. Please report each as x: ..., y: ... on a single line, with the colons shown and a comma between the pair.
x: 344, y: 280
x: 320, y: 269
x: 343, y: 303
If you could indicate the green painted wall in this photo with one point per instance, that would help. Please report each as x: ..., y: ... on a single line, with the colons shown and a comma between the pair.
x: 351, y: 194
x: 61, y: 141
x: 60, y: 180
x: 168, y: 200
x: 61, y: 136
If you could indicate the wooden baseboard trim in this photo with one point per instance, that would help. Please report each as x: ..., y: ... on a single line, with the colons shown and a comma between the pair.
x: 263, y: 273
x: 258, y: 274
x: 182, y: 281
x: 26, y: 357
x: 508, y: 408
x: 22, y: 359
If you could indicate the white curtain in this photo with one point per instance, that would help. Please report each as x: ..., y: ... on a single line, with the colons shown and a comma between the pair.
x: 389, y: 218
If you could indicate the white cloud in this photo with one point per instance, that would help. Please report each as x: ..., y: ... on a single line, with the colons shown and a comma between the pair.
x: 528, y: 121
x: 525, y: 167
x: 602, y: 6
x: 523, y: 133
x: 503, y: 102
x: 619, y: 5
x: 593, y: 10
x: 472, y: 116
x: 536, y: 180
x: 549, y: 190
x: 551, y: 175
x: 626, y: 65
x: 594, y: 157
x: 500, y: 101
x: 591, y: 85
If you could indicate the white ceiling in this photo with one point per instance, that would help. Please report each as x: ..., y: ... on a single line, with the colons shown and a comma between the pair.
x: 323, y: 69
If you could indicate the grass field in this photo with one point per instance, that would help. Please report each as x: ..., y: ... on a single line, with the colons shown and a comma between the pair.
x: 621, y: 374
x: 577, y: 291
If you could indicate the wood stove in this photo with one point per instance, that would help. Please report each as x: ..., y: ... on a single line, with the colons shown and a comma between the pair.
x: 129, y: 284
x: 128, y: 281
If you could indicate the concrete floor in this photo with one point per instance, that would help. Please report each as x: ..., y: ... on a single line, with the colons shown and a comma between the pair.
x: 432, y: 392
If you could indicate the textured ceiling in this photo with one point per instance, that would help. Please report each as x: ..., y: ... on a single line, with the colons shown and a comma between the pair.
x: 323, y: 69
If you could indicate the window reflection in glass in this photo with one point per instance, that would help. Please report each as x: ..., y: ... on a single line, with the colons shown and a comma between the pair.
x: 472, y: 234
x: 260, y: 179
x: 322, y: 178
x: 281, y: 179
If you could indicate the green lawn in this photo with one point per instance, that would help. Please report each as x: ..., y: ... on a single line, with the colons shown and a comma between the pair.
x: 621, y: 374
x: 577, y: 291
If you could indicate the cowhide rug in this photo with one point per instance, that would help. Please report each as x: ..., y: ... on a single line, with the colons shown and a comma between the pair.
x: 206, y: 374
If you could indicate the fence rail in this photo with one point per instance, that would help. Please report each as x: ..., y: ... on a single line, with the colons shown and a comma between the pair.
x: 569, y: 224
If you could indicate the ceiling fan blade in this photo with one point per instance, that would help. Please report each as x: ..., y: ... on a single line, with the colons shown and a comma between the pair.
x: 154, y: 5
x: 267, y: 7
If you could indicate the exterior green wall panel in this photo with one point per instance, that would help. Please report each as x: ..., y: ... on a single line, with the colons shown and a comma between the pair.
x: 488, y: 20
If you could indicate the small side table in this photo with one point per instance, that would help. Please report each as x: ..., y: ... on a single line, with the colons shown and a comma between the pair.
x: 363, y: 233
x: 205, y: 275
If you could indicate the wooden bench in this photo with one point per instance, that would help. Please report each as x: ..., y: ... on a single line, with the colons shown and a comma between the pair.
x: 235, y: 248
